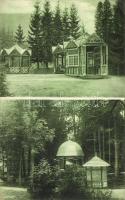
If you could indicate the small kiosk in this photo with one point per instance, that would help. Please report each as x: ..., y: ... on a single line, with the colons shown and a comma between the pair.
x: 69, y: 153
x: 96, y: 173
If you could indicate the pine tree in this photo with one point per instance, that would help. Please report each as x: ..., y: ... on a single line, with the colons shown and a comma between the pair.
x: 10, y: 38
x: 107, y: 21
x: 34, y: 37
x: 83, y: 32
x: 104, y: 25
x: 6, y: 38
x: 66, y: 25
x: 47, y: 34
x: 57, y: 26
x: 19, y: 36
x: 98, y: 20
x: 118, y: 40
x: 74, y: 22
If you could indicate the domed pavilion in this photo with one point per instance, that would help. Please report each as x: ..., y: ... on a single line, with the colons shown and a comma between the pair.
x: 69, y: 153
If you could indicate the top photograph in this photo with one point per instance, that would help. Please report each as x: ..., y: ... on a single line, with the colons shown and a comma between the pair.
x: 62, y: 48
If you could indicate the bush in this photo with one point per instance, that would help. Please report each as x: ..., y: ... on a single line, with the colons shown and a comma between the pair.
x: 44, y: 179
x: 3, y: 86
x: 51, y: 182
x: 72, y: 184
x: 101, y: 194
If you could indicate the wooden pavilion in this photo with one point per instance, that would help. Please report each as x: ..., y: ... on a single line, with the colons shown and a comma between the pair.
x: 82, y: 57
x: 17, y: 59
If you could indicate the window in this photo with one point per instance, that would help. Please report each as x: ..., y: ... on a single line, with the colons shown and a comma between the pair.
x: 73, y: 60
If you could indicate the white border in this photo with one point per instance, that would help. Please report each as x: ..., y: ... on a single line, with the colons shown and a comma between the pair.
x: 61, y: 98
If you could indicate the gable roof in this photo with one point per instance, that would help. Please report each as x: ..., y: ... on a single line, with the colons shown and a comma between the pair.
x: 71, y: 44
x: 82, y: 40
x: 18, y: 48
x: 58, y: 48
x: 94, y: 38
x: 96, y: 162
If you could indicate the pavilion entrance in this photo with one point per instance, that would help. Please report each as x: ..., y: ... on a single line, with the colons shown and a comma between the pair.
x: 93, y: 60
x: 60, y: 63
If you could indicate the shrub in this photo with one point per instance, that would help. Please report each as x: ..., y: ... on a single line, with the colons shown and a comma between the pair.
x: 72, y: 184
x: 101, y: 194
x: 51, y: 182
x: 44, y: 179
x: 3, y: 86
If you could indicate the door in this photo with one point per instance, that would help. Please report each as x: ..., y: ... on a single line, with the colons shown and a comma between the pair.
x: 90, y: 63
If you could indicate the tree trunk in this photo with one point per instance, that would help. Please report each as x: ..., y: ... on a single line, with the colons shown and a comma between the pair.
x: 94, y: 140
x: 116, y: 157
x: 123, y: 10
x: 116, y: 146
x: 46, y: 63
x: 32, y: 169
x: 109, y: 146
x: 20, y: 169
x: 29, y: 161
x: 23, y: 164
x: 32, y: 164
x: 103, y: 140
x: 3, y: 162
x: 37, y: 64
x: 74, y: 124
x: 99, y: 144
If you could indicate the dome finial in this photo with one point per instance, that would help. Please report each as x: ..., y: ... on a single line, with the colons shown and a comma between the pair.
x: 70, y: 135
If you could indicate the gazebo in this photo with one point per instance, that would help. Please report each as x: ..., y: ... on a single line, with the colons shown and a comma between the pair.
x: 16, y: 58
x: 69, y: 153
x: 96, y: 172
x: 84, y: 57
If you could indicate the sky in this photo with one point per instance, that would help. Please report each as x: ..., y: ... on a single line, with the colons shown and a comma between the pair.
x: 86, y: 8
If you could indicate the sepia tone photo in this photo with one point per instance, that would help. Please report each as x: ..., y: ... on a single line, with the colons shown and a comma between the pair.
x: 62, y: 48
x: 62, y: 150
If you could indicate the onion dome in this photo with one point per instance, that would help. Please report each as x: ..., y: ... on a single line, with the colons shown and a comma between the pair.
x: 70, y: 149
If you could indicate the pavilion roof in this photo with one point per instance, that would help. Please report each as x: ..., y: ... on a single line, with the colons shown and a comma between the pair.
x: 96, y: 162
x: 70, y: 149
x: 18, y: 48
x: 82, y: 40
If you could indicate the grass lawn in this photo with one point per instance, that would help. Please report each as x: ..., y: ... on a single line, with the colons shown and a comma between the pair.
x: 118, y: 194
x: 54, y: 85
x: 13, y: 193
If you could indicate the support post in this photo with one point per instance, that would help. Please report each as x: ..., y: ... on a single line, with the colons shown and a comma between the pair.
x: 101, y: 60
x: 9, y: 59
x: 85, y: 61
x: 107, y: 60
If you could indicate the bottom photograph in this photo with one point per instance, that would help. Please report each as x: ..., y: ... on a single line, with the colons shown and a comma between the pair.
x: 62, y: 150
